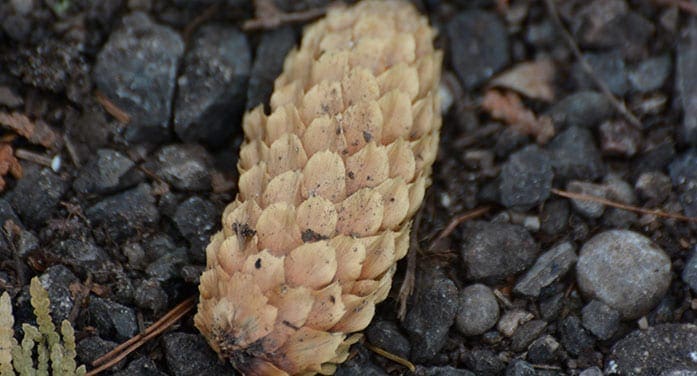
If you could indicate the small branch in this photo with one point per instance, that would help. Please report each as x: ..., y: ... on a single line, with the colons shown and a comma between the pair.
x: 268, y: 16
x: 393, y: 357
x: 619, y: 105
x: 114, y: 110
x: 604, y: 201
x: 114, y: 356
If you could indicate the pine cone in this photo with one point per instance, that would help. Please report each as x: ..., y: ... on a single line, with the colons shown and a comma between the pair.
x: 329, y: 182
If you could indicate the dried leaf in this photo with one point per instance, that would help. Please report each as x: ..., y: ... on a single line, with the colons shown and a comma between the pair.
x: 509, y: 108
x: 36, y: 132
x: 8, y: 164
x: 532, y: 79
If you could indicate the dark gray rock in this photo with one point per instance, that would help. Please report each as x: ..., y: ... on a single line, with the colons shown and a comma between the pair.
x: 520, y: 368
x: 387, y: 336
x: 478, y: 310
x: 431, y: 314
x: 526, y: 179
x: 7, y: 214
x: 109, y: 171
x: 581, y: 109
x: 651, y: 73
x: 494, y: 251
x: 484, y: 362
x: 190, y: 355
x: 91, y: 348
x: 626, y: 31
x: 136, y: 69
x: 85, y: 255
x: 588, y: 208
x: 573, y: 337
x: 655, y: 351
x: 36, y: 195
x: 601, y: 320
x: 57, y: 280
x: 683, y: 173
x: 549, y: 267
x: 624, y: 270
x: 112, y: 319
x: 619, y: 138
x: 185, y: 167
x: 653, y: 186
x: 527, y: 333
x: 268, y: 64
x: 686, y: 81
x: 211, y: 90
x: 551, y: 306
x: 609, y: 67
x: 543, y: 350
x: 157, y: 246
x: 443, y: 371
x: 656, y: 158
x: 126, y: 213
x: 575, y: 156
x: 479, y: 43
x: 554, y: 217
x: 197, y: 219
x: 142, y: 366
x: 167, y: 266
x: 689, y: 273
x: 150, y: 295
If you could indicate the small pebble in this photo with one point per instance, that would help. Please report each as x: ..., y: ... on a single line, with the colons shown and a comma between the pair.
x: 387, y: 336
x: 527, y: 333
x: 526, y: 179
x: 686, y: 82
x: 484, y: 362
x: 549, y: 267
x: 126, y: 213
x: 624, y: 270
x: 689, y: 272
x: 185, y: 167
x: 619, y: 138
x: 573, y: 337
x: 520, y: 368
x: 360, y: 364
x: 150, y: 295
x: 653, y: 186
x: 109, y: 171
x: 270, y: 54
x: 480, y: 46
x: 593, y: 371
x: 511, y: 320
x: 478, y: 310
x: 543, y: 350
x: 189, y: 355
x: 588, y: 208
x: 111, y: 319
x: 574, y: 155
x: 36, y: 195
x: 142, y: 366
x: 683, y: 173
x: 136, y: 71
x: 91, y: 348
x: 197, y: 219
x: 601, y: 320
x: 57, y: 280
x: 609, y: 68
x: 583, y: 109
x: 445, y: 371
x: 494, y: 251
x: 651, y: 73
x: 428, y: 321
x: 554, y: 217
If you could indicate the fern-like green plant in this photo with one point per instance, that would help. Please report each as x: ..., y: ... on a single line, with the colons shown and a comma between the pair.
x: 40, y: 346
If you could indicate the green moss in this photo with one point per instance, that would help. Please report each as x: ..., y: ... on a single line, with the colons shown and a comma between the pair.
x: 42, y: 351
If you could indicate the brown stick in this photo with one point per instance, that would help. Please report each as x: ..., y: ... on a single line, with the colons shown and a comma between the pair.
x: 619, y: 105
x: 604, y: 201
x: 121, y: 351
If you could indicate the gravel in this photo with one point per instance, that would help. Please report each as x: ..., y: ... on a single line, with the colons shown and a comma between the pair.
x: 387, y: 336
x: 624, y: 270
x: 124, y: 214
x: 108, y: 172
x: 549, y: 267
x: 686, y: 81
x: 574, y: 155
x: 526, y: 179
x: 185, y: 167
x: 602, y: 320
x: 36, y: 195
x: 583, y: 108
x: 478, y: 310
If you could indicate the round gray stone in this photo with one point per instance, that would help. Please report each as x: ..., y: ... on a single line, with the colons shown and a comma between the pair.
x: 624, y: 270
x: 478, y: 310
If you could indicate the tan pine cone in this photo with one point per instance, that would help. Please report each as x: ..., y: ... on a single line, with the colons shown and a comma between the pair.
x: 329, y: 182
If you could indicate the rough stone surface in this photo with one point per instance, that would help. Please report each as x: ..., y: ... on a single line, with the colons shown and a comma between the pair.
x: 142, y: 366
x: 136, y: 69
x: 659, y: 350
x: 57, y: 280
x: 683, y: 173
x: 478, y: 310
x: 526, y: 334
x: 588, y: 208
x: 686, y: 81
x: 653, y: 186
x: 124, y: 214
x: 543, y: 350
x: 480, y: 46
x: 651, y: 73
x: 360, y: 365
x: 268, y: 63
x: 444, y: 371
x: 190, y: 355
x: 185, y: 167
x: 549, y: 267
x: 211, y: 90
x: 600, y: 319
x: 150, y: 295
x: 526, y: 179
x: 493, y: 251
x: 109, y: 171
x: 36, y: 194
x: 619, y: 138
x: 196, y: 219
x: 554, y: 217
x: 431, y: 314
x: 573, y: 337
x: 91, y: 348
x: 111, y: 319
x: 484, y: 362
x: 609, y: 67
x: 624, y: 270
x: 85, y: 255
x: 581, y: 109
x: 387, y: 336
x: 575, y: 156
x: 689, y: 273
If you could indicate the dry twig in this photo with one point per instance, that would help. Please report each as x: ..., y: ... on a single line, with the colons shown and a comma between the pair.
x: 604, y: 201
x: 268, y: 16
x: 120, y: 115
x: 571, y: 43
